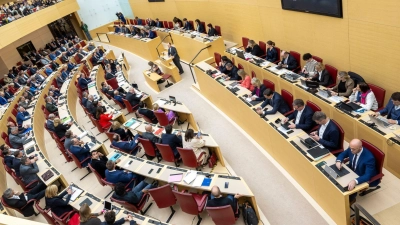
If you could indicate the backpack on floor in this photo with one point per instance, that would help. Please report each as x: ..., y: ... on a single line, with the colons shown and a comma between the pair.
x: 249, y: 216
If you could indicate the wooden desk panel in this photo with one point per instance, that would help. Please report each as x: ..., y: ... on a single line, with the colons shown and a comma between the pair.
x: 144, y: 49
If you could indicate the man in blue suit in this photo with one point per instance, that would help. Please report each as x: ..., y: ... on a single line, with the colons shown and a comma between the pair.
x: 302, y: 116
x: 3, y: 100
x: 151, y: 33
x: 52, y: 56
x: 118, y: 176
x: 171, y: 139
x: 118, y: 97
x: 159, y: 24
x: 328, y: 134
x: 22, y: 115
x: 288, y: 61
x: 187, y: 25
x: 392, y: 109
x: 83, y: 81
x: 275, y: 100
x: 139, y: 21
x: 361, y: 161
x: 126, y: 146
x: 80, y: 151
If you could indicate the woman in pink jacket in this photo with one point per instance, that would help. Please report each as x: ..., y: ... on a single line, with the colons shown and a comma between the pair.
x: 246, y: 80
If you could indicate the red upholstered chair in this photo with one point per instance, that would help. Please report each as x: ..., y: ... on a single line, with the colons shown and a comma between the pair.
x: 269, y: 84
x: 149, y: 150
x: 45, y: 214
x: 191, y: 203
x: 222, y: 215
x: 61, y: 147
x: 253, y: 74
x: 167, y: 154
x: 166, y: 77
x: 145, y: 118
x: 217, y: 59
x: 245, y: 42
x: 97, y: 124
x: 333, y: 72
x: 233, y: 61
x: 318, y: 59
x: 77, y: 59
x: 113, y: 83
x: 144, y: 22
x: 341, y: 140
x: 263, y: 47
x: 131, y: 207
x: 379, y: 95
x: 28, y: 204
x: 296, y: 55
x: 218, y: 29
x: 170, y: 25
x: 98, y: 176
x: 82, y: 43
x: 10, y: 119
x: 165, y: 23
x: 25, y: 187
x: 64, y: 218
x: 5, y: 138
x: 14, y: 112
x: 76, y: 160
x: 163, y: 119
x: 129, y: 107
x: 189, y: 159
x: 6, y: 168
x: 106, y: 94
x: 288, y: 97
x: 379, y: 160
x: 131, y: 21
x: 122, y: 106
x: 129, y: 152
x: 314, y: 108
x: 240, y: 66
x: 164, y: 198
x: 204, y: 25
x: 278, y: 50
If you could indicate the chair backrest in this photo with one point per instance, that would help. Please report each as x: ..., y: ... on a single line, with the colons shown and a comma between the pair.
x: 186, y: 202
x: 45, y: 214
x: 166, y: 152
x: 82, y: 43
x: 148, y: 147
x: 240, y: 66
x: 165, y: 23
x: 189, y: 159
x: 170, y: 25
x: 379, y: 94
x: 163, y: 196
x: 61, y: 147
x: 14, y: 112
x: 98, y: 176
x: 296, y: 55
x: 233, y: 61
x: 356, y: 78
x: 77, y: 59
x: 126, y: 205
x: 288, y: 97
x: 222, y: 215
x: 113, y: 83
x: 378, y: 155
x: 217, y: 58
x: 245, y: 42
x: 218, y: 29
x: 162, y: 118
x: 60, y: 221
x: 96, y: 123
x: 76, y: 160
x: 4, y: 135
x: 5, y: 204
x: 318, y: 59
x: 341, y: 140
x: 313, y: 106
x: 144, y: 22
x: 122, y: 106
x: 204, y: 25
x: 278, y: 50
x: 269, y: 84
x: 332, y: 71
x: 110, y: 134
x: 263, y: 46
x: 253, y: 74
x: 129, y: 106
x: 191, y: 23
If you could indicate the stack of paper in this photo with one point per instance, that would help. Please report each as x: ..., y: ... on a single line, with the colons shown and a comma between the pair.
x: 190, y: 176
x: 76, y: 192
x: 198, y: 181
x: 82, y: 135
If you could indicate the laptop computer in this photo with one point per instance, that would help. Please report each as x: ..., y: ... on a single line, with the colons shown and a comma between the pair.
x: 258, y: 60
x: 380, y: 121
x: 292, y: 76
x: 354, y: 106
x: 324, y: 93
x: 345, y: 107
x: 308, y: 142
x: 240, y: 54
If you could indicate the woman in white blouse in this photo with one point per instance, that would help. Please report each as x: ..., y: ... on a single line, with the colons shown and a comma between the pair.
x: 364, y: 97
x: 197, y: 144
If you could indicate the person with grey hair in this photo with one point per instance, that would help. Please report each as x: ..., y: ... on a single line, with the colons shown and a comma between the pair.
x: 69, y: 136
x: 28, y: 171
x: 84, y: 98
x: 80, y: 151
x: 22, y: 115
x: 50, y: 121
x: 17, y: 161
x: 231, y: 72
x: 89, y: 104
x: 16, y: 139
x: 23, y: 102
x: 328, y: 134
x: 302, y: 116
x: 50, y: 106
x: 132, y: 98
x: 19, y: 200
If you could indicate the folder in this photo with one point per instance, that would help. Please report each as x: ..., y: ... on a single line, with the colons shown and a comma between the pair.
x: 318, y: 152
x: 206, y: 182
x: 175, y: 177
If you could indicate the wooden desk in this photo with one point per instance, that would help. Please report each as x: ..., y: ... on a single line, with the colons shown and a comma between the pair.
x: 151, y: 79
x: 325, y: 193
x: 389, y: 216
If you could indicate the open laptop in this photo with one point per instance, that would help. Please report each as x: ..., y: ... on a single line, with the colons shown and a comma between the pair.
x: 324, y: 93
x: 354, y: 106
x: 240, y: 54
x: 258, y: 60
x: 380, y: 121
x: 292, y: 76
x: 308, y: 142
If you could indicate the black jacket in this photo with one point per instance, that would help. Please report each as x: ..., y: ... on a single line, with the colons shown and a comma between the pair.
x: 291, y: 62
x: 233, y: 73
x: 256, y: 50
x: 326, y: 78
x: 19, y: 203
x: 61, y: 129
x: 133, y: 99
x: 149, y: 114
x: 272, y: 55
x: 58, y: 205
x: 100, y: 165
x: 212, y: 31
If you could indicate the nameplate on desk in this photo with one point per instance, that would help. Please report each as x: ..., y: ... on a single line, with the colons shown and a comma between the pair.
x: 41, y: 155
x: 155, y: 164
x: 176, y: 168
x: 55, y: 171
x: 93, y: 197
x: 394, y: 140
x: 136, y: 158
x: 234, y: 90
x: 47, y: 163
x: 229, y: 177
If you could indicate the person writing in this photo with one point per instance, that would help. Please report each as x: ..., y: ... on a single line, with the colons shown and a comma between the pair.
x: 246, y: 80
x: 257, y: 93
x: 254, y: 48
x: 231, y: 72
x: 392, y: 109
x: 275, y: 100
x: 288, y: 61
x: 363, y: 96
x: 344, y: 86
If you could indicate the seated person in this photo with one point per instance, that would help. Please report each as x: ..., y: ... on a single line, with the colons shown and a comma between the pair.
x: 245, y: 80
x: 21, y: 130
x: 196, y: 143
x: 363, y: 96
x: 154, y: 68
x: 19, y: 200
x: 257, y: 93
x: 132, y: 98
x: 50, y: 121
x: 60, y: 128
x: 143, y: 33
x: 55, y: 202
x: 8, y: 157
x: 218, y: 200
x: 99, y: 161
x: 16, y: 139
x: 199, y: 26
x: 109, y: 218
x: 83, y: 81
x: 231, y: 72
x: 109, y: 73
x: 17, y: 161
x: 118, y: 176
x: 159, y: 24
x: 3, y: 100
x: 22, y: 116
x: 117, y: 29
x: 103, y: 118
x: 309, y: 68
x: 362, y: 162
x: 151, y: 34
x: 211, y: 30
x: 118, y: 97
x: 12, y: 88
x: 288, y: 61
x: 69, y: 136
x: 392, y: 109
x: 28, y: 171
x: 124, y: 133
x: 84, y: 99
x: 86, y: 217
x: 135, y: 195
x: 344, y: 86
x: 80, y: 151
x: 170, y: 114
x: 126, y: 146
x: 50, y: 106
x: 328, y: 134
x: 48, y: 71
x: 90, y: 106
x: 23, y: 102
x: 275, y: 100
x: 302, y: 116
x: 171, y: 139
x: 254, y: 49
x: 149, y: 135
x: 222, y: 65
x: 272, y: 53
x: 321, y: 75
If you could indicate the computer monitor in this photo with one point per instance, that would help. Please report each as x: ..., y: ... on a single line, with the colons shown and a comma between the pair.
x: 312, y: 84
x: 172, y: 99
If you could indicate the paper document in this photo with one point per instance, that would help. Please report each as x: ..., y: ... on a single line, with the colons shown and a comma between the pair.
x: 248, y: 99
x: 76, y: 192
x: 190, y: 176
x: 198, y: 181
x: 175, y: 177
x: 160, y: 102
x: 82, y: 135
x: 282, y: 129
x: 336, y: 99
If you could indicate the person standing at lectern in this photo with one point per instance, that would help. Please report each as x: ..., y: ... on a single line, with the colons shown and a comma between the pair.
x: 172, y: 52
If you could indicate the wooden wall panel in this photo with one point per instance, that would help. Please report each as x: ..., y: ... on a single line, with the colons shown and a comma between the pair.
x: 372, y: 11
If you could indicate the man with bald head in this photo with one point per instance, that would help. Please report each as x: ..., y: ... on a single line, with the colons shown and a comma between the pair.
x: 361, y: 161
x: 149, y: 134
x: 132, y: 98
x: 218, y: 200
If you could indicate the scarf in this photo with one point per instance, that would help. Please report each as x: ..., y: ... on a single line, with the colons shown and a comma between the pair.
x: 364, y: 96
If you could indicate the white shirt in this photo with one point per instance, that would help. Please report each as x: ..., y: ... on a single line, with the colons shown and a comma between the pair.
x: 323, y: 128
x: 320, y: 75
x: 17, y: 197
x: 370, y: 101
x: 298, y: 116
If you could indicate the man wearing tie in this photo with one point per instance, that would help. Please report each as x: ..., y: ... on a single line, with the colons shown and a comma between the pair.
x: 362, y: 162
x: 392, y: 109
x: 302, y: 116
x: 172, y: 52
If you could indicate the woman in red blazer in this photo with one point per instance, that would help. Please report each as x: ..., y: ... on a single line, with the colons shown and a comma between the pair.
x: 12, y: 88
x: 246, y: 80
x: 104, y: 118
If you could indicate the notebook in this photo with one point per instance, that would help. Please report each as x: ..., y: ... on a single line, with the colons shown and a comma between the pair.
x: 206, y: 182
x: 318, y: 152
x: 115, y: 157
x: 158, y: 131
x: 175, y: 177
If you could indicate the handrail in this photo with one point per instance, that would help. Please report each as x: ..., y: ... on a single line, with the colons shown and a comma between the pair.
x: 357, y: 209
x: 106, y: 36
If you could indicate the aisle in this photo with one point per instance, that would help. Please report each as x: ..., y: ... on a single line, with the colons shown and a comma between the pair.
x: 276, y: 196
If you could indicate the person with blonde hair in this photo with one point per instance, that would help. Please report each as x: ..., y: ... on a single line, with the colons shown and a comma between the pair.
x: 196, y: 143
x: 246, y: 80
x: 170, y: 114
x: 254, y: 49
x: 124, y: 133
x: 87, y: 217
x: 257, y: 93
x: 344, y: 86
x: 321, y: 75
x: 59, y: 128
x: 55, y: 202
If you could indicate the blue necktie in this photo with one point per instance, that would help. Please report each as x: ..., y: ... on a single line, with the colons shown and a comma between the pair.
x: 354, y: 162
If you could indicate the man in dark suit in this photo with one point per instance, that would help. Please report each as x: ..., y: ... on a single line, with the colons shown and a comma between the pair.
x: 118, y: 97
x: 80, y: 151
x: 28, y: 171
x: 172, y: 52
x: 187, y: 25
x: 151, y: 34
x: 126, y: 146
x: 83, y: 81
x: 8, y: 157
x: 302, y: 116
x: 328, y: 134
x: 171, y: 139
x: 275, y: 100
x: 17, y: 161
x: 321, y: 75
x: 64, y: 57
x: 109, y: 74
x: 231, y: 72
x: 118, y: 176
x: 159, y: 24
x: 147, y: 113
x: 84, y: 99
x: 22, y: 115
x: 60, y: 81
x: 151, y: 23
x: 132, y: 98
x: 99, y: 162
x: 288, y: 61
x: 362, y: 162
x: 19, y: 200
x: 135, y: 195
x: 392, y: 109
x: 150, y: 135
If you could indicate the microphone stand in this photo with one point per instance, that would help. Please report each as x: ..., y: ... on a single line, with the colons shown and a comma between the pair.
x: 191, y: 65
x: 169, y: 35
